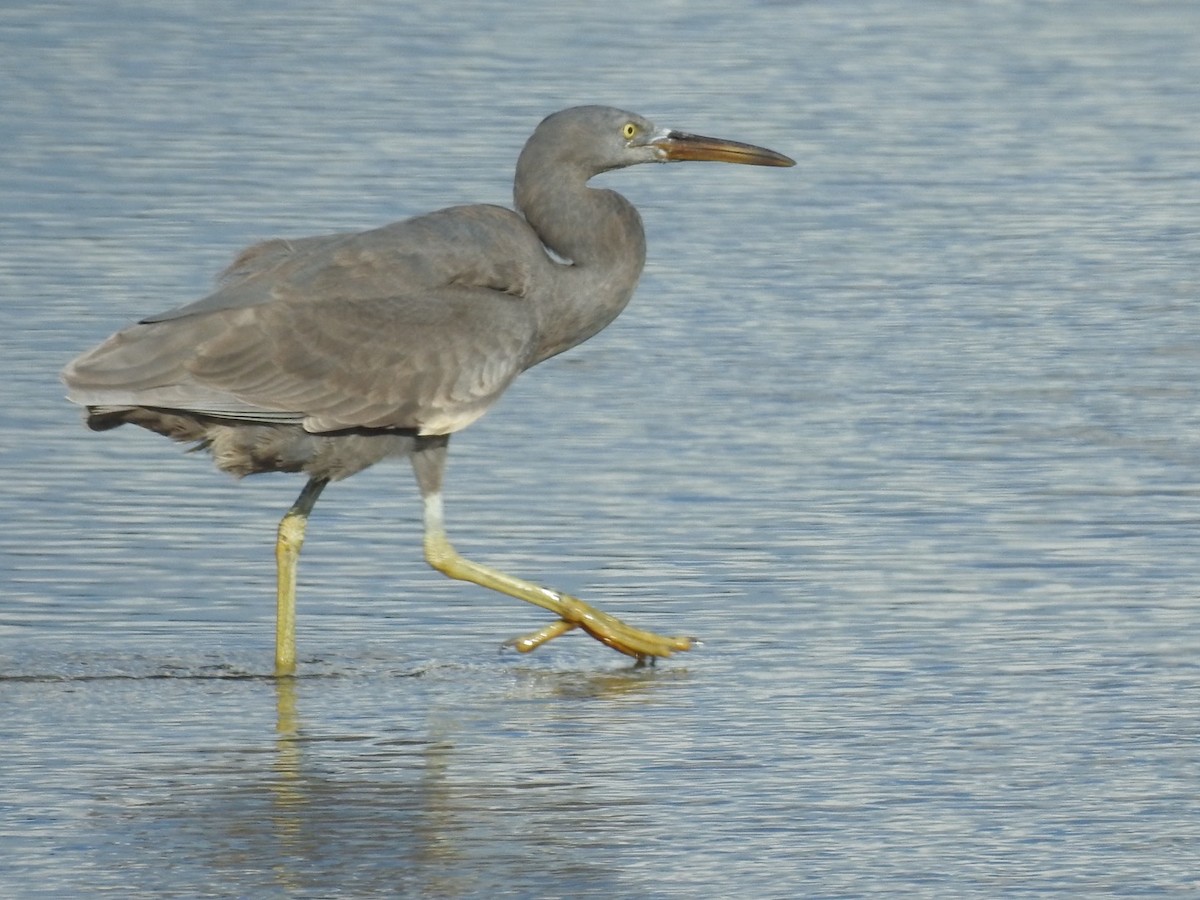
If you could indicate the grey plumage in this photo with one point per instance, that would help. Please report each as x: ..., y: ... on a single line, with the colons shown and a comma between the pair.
x: 327, y: 354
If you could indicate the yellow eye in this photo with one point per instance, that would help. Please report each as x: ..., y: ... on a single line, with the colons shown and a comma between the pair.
x: 629, y: 131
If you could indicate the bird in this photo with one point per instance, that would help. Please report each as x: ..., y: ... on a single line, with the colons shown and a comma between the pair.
x: 325, y: 355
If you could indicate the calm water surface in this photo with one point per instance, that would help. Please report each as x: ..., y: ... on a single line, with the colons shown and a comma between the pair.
x: 909, y: 435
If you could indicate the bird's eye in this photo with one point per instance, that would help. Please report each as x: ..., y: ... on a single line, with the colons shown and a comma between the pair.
x: 629, y: 131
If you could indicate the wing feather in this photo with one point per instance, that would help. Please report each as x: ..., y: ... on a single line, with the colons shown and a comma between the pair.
x: 432, y: 362
x: 418, y: 325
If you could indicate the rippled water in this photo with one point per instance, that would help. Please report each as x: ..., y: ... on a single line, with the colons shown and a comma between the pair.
x: 908, y: 435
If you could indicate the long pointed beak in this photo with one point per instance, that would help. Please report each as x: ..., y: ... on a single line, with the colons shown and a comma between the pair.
x: 678, y: 146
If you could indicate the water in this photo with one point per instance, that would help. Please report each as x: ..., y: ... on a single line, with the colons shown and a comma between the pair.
x: 908, y: 435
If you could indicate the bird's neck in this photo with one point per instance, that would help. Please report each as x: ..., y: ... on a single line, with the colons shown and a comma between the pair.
x: 598, y: 234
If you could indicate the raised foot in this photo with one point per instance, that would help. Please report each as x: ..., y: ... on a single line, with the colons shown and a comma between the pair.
x: 643, y: 646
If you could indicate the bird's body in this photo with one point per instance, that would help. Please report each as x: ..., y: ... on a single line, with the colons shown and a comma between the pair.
x: 325, y: 355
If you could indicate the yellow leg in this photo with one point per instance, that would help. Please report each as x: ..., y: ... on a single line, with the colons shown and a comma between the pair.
x: 572, y: 612
x: 287, y: 552
x: 530, y: 642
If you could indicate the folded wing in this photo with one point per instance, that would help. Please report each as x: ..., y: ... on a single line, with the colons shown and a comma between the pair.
x: 419, y: 325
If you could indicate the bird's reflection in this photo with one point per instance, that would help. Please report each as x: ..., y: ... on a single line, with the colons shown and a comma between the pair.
x: 632, y: 682
x: 427, y: 798
x: 288, y: 795
x: 287, y: 755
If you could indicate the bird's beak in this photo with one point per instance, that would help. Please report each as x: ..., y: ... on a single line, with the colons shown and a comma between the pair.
x: 677, y: 146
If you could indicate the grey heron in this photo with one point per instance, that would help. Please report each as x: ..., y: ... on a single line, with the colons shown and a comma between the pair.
x: 327, y: 354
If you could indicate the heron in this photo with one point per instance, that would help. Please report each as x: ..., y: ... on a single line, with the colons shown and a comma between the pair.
x: 325, y: 355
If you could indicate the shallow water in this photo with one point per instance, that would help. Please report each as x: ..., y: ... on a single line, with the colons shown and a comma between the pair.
x: 908, y: 435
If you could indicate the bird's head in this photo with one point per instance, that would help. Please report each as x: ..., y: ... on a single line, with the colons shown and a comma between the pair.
x: 599, y: 138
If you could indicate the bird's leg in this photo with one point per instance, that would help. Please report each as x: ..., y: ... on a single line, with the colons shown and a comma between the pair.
x: 572, y: 612
x: 429, y: 461
x: 287, y: 552
x: 533, y: 640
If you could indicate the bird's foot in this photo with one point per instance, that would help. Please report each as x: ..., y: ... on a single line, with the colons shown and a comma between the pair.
x: 644, y: 646
x: 529, y: 642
